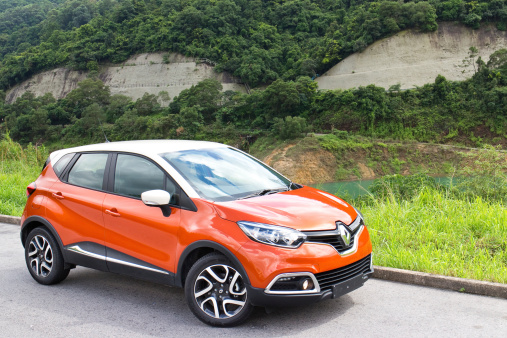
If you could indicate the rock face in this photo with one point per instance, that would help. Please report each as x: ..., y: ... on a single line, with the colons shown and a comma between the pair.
x: 59, y: 82
x: 143, y: 73
x: 413, y: 59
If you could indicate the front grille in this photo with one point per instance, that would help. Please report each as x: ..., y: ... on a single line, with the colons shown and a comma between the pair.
x: 329, y: 278
x: 333, y: 237
x: 335, y: 240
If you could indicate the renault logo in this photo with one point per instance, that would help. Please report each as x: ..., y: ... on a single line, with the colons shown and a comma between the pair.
x: 345, y: 234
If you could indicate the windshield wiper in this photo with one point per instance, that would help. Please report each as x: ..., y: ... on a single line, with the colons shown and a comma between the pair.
x: 262, y: 193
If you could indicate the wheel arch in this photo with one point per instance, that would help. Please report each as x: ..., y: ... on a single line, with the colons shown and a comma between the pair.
x: 198, y: 249
x: 33, y: 222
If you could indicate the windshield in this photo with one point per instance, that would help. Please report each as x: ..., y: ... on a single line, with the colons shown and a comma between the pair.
x: 225, y: 174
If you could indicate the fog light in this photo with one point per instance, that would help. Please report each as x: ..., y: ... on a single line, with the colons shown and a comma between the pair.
x: 306, y: 284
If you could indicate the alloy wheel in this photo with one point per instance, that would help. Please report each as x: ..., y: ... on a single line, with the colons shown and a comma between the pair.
x: 40, y: 256
x: 220, y: 292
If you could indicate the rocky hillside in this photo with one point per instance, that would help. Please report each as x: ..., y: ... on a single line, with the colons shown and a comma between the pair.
x: 143, y: 73
x: 411, y: 58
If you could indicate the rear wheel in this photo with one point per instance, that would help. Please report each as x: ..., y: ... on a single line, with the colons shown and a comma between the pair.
x: 216, y: 291
x: 43, y: 257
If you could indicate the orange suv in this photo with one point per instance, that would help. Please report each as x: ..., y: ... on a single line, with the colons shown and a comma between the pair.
x: 200, y: 215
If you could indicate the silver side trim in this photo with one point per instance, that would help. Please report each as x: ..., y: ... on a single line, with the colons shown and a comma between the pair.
x: 295, y: 292
x: 79, y: 250
x: 114, y: 260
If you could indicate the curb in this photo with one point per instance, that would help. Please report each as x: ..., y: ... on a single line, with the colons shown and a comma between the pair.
x: 405, y: 276
x: 441, y: 282
x: 10, y: 219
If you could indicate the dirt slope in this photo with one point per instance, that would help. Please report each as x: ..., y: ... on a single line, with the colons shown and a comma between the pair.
x: 413, y: 59
x: 306, y: 161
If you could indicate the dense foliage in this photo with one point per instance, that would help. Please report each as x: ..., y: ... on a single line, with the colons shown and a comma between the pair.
x: 257, y: 41
x: 470, y: 112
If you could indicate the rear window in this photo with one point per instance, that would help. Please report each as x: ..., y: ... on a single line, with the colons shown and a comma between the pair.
x: 88, y: 172
x: 62, y: 163
x: 45, y: 164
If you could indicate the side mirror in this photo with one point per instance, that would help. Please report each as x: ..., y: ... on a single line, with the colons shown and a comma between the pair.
x: 155, y: 198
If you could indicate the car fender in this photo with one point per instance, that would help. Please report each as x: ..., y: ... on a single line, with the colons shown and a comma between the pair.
x: 24, y: 233
x: 215, y: 246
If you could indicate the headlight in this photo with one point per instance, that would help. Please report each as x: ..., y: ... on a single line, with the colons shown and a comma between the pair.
x: 273, y: 234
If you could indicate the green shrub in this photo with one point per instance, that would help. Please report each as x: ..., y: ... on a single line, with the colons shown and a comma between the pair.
x: 290, y: 127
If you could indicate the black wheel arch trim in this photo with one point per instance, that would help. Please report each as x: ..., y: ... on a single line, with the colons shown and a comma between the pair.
x: 38, y: 219
x: 212, y: 245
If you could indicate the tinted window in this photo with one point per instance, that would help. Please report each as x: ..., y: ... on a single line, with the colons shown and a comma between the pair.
x: 88, y: 171
x: 60, y: 165
x: 135, y: 175
x: 224, y: 174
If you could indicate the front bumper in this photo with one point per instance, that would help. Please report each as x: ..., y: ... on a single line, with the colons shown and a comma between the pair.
x: 259, y: 298
x: 332, y: 284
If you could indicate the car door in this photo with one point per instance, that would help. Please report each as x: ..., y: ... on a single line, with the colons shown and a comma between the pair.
x: 140, y: 240
x: 74, y: 208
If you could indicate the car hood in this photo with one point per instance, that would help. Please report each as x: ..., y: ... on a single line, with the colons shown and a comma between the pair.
x: 305, y: 209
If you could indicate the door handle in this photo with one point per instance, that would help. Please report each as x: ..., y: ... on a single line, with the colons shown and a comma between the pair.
x: 113, y: 212
x: 58, y: 195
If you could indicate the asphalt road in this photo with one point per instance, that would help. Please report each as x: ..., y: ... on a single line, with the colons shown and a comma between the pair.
x: 91, y: 303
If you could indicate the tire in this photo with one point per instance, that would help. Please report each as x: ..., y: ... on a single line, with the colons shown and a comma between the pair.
x: 216, y: 292
x: 43, y: 257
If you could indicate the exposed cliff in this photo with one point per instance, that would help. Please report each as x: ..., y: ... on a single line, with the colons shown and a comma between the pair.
x: 144, y: 73
x: 411, y: 58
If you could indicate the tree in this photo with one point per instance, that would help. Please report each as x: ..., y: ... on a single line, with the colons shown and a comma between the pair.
x: 498, y: 60
x: 191, y: 119
x: 290, y: 127
x: 147, y: 105
x: 206, y: 96
x: 282, y: 98
x: 469, y: 60
x: 89, y: 91
x: 118, y: 104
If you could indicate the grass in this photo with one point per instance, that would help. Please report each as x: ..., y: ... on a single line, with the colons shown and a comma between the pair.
x: 18, y: 168
x: 435, y: 232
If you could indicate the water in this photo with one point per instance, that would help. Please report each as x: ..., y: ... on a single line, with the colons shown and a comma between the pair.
x: 346, y: 189
x: 354, y: 189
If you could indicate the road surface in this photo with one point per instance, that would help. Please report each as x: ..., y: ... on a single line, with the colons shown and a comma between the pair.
x: 92, y: 304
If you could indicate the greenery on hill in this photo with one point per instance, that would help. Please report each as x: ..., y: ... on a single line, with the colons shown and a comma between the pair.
x: 470, y: 112
x: 258, y: 41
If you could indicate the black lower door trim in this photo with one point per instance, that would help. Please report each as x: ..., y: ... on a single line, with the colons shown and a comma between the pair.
x: 99, y: 257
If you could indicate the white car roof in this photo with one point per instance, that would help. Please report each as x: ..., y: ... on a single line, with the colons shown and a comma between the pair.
x: 148, y: 148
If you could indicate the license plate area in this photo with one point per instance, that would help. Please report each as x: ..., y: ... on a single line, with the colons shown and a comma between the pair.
x: 349, y: 285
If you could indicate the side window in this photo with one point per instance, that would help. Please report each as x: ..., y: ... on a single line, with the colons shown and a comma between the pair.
x: 88, y: 171
x: 135, y: 175
x: 60, y: 165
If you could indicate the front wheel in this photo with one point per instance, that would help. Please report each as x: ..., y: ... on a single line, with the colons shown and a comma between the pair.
x: 216, y: 291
